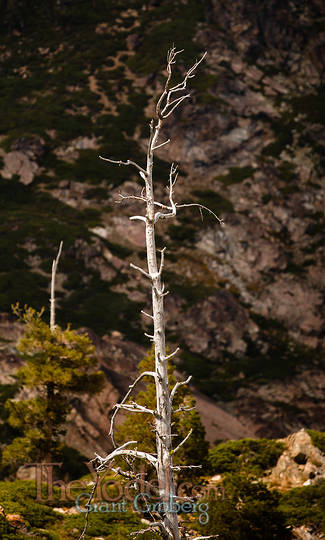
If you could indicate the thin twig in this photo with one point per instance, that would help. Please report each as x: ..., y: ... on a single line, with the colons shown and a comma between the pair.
x: 178, y: 384
x: 88, y: 507
x: 183, y: 441
x: 202, y: 207
x: 135, y: 407
x: 127, y: 162
x: 126, y: 397
x: 140, y: 270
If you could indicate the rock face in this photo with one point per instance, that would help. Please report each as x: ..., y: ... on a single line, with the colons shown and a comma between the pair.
x: 301, y: 464
x: 247, y: 299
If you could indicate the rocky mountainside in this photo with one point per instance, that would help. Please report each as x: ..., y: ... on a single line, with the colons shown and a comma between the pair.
x: 80, y: 78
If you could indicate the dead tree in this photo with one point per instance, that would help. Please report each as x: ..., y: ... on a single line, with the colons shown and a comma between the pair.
x: 53, y: 277
x: 170, y: 99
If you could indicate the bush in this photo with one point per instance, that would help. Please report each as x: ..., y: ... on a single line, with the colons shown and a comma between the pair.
x: 253, y: 456
x: 318, y: 439
x: 305, y: 506
x: 247, y: 511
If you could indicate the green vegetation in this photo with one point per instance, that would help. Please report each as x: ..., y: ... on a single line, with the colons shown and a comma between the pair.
x: 140, y: 426
x: 43, y: 523
x: 236, y: 175
x: 20, y: 498
x: 203, y: 371
x: 250, y: 456
x: 191, y: 292
x: 312, y: 105
x: 318, y: 439
x: 7, y: 432
x: 246, y: 508
x: 214, y: 201
x: 305, y: 506
x: 205, y: 86
x: 283, y: 356
x: 59, y: 364
x: 245, y: 511
x: 159, y: 29
x: 282, y: 128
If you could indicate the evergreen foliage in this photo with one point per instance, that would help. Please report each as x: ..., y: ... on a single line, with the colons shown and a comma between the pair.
x: 58, y: 364
x: 318, y: 439
x: 252, y: 456
x: 43, y: 522
x: 305, y: 506
x: 246, y: 511
x: 141, y: 427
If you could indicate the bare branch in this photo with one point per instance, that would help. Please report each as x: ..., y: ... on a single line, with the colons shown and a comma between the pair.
x: 161, y: 205
x: 170, y: 105
x: 176, y: 102
x: 147, y: 314
x: 126, y: 397
x: 204, y: 537
x: 161, y: 144
x: 140, y: 218
x: 52, y: 299
x: 135, y: 197
x: 173, y: 175
x: 135, y: 407
x: 127, y: 162
x: 178, y: 384
x: 203, y: 207
x: 182, y: 409
x: 160, y: 292
x: 183, y: 441
x: 91, y: 496
x: 170, y: 99
x: 123, y: 451
x: 172, y: 354
x: 189, y: 75
x: 180, y: 467
x: 140, y: 270
x: 162, y: 260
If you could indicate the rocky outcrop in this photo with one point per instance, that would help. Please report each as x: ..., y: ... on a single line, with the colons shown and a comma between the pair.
x: 22, y: 160
x: 301, y: 464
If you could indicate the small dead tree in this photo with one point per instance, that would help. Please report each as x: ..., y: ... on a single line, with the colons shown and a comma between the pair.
x: 53, y: 277
x: 171, y: 98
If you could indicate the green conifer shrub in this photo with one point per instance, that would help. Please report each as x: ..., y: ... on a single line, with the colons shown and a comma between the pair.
x: 58, y: 364
x: 247, y: 510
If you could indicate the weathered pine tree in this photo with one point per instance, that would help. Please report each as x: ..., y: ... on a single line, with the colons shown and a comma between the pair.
x: 58, y: 365
x: 162, y: 459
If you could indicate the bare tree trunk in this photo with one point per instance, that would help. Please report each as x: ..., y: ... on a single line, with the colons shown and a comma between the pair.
x: 52, y: 299
x: 163, y: 459
x: 163, y: 402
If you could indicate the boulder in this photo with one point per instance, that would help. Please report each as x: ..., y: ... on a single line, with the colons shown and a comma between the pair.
x: 301, y: 464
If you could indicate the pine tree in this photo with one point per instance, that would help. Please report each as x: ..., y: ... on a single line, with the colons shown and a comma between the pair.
x: 58, y: 364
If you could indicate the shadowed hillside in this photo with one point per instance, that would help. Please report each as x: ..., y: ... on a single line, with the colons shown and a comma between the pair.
x: 79, y: 79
